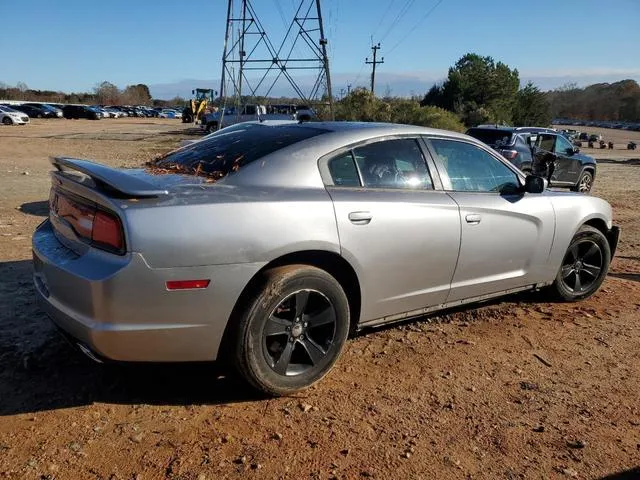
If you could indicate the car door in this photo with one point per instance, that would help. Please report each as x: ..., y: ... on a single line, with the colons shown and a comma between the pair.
x: 400, y: 233
x: 506, y: 234
x: 567, y: 165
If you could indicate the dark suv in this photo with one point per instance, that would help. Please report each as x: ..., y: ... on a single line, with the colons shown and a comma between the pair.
x: 80, y: 111
x: 541, y: 151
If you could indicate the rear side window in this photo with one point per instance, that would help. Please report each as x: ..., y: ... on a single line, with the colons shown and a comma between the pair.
x: 343, y: 171
x: 393, y: 164
x: 224, y: 153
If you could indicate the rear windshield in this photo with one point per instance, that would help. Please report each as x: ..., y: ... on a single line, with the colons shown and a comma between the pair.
x: 226, y: 152
x: 491, y: 136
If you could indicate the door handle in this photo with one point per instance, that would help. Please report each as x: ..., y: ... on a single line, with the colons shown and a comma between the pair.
x: 360, y: 218
x: 473, y: 218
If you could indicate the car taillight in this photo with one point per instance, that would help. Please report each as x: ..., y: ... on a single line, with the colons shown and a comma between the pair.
x: 107, y: 231
x: 509, y: 154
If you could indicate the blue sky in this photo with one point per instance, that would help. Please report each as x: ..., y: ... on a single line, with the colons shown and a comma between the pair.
x: 171, y: 45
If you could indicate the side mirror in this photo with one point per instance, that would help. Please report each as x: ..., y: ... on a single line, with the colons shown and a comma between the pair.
x: 576, y: 149
x: 534, y: 184
x: 570, y: 151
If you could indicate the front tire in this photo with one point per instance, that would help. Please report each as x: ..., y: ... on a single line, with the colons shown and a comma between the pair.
x: 7, y: 121
x: 585, y: 183
x: 293, y: 330
x: 584, y: 267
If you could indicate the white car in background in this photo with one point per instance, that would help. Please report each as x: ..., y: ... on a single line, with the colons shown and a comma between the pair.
x: 9, y: 116
x: 169, y: 113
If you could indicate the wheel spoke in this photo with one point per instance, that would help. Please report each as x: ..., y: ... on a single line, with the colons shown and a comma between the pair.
x: 285, y: 357
x: 574, y: 251
x: 315, y: 351
x: 592, y: 270
x: 578, y: 285
x: 276, y: 326
x: 594, y: 249
x: 567, y: 270
x: 324, y: 317
x: 302, y: 297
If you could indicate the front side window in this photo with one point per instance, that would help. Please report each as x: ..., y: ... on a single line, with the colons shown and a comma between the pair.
x: 393, y: 164
x: 471, y: 169
x: 562, y: 146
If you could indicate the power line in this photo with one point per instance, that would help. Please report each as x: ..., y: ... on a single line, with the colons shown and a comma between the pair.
x: 403, y: 11
x: 416, y: 25
x: 384, y: 16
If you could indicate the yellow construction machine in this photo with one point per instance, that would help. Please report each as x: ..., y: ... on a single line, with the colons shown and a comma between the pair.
x: 194, y: 110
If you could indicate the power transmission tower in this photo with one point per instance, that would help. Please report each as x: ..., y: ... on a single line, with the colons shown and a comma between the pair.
x: 253, y: 64
x: 375, y: 62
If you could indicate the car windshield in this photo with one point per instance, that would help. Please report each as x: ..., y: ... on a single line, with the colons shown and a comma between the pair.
x: 491, y: 136
x: 227, y: 152
x: 7, y: 109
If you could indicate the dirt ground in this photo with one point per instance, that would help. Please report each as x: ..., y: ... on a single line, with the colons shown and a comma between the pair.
x: 519, y: 388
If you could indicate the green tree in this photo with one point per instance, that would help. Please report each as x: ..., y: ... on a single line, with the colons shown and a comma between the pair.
x: 531, y: 107
x: 477, y: 87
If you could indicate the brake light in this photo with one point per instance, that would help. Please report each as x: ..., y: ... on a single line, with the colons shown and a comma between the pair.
x: 107, y: 231
x: 187, y: 284
x: 509, y: 154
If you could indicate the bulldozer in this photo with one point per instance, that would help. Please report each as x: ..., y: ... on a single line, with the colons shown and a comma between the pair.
x: 195, y: 108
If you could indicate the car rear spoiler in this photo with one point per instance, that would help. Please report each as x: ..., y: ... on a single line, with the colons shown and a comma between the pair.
x: 125, y: 184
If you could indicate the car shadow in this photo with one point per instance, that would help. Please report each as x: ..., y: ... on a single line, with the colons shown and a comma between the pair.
x: 634, y: 277
x: 40, y: 371
x: 39, y: 209
x: 633, y: 474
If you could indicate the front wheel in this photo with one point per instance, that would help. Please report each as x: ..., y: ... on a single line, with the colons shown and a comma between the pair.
x: 7, y: 121
x: 585, y: 183
x: 293, y: 330
x: 584, y: 267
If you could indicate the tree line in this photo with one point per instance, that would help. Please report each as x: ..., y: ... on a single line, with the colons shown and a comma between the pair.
x: 477, y: 90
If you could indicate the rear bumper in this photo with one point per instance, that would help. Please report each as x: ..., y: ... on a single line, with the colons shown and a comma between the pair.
x: 120, y: 309
x: 613, y: 236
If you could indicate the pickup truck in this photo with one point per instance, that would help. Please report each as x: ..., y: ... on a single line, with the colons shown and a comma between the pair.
x: 232, y: 115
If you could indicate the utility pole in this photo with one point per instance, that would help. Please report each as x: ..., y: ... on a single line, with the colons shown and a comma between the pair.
x: 349, y: 89
x: 375, y: 62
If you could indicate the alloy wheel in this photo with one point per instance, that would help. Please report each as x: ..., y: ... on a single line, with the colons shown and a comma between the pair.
x: 582, y: 266
x: 585, y: 183
x: 299, y: 332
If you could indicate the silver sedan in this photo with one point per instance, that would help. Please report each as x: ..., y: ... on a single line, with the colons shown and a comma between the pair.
x: 266, y: 245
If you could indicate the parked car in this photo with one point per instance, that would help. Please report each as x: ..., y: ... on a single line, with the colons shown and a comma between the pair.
x: 9, y: 116
x: 35, y: 111
x: 169, y: 113
x: 319, y: 229
x: 53, y: 112
x: 543, y: 152
x: 115, y: 113
x: 80, y: 111
x: 509, y: 142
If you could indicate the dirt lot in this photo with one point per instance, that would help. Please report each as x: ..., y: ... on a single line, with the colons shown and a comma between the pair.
x: 514, y: 389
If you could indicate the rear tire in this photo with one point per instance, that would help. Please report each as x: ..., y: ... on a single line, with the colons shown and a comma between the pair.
x: 585, y: 183
x: 292, y: 330
x: 584, y: 266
